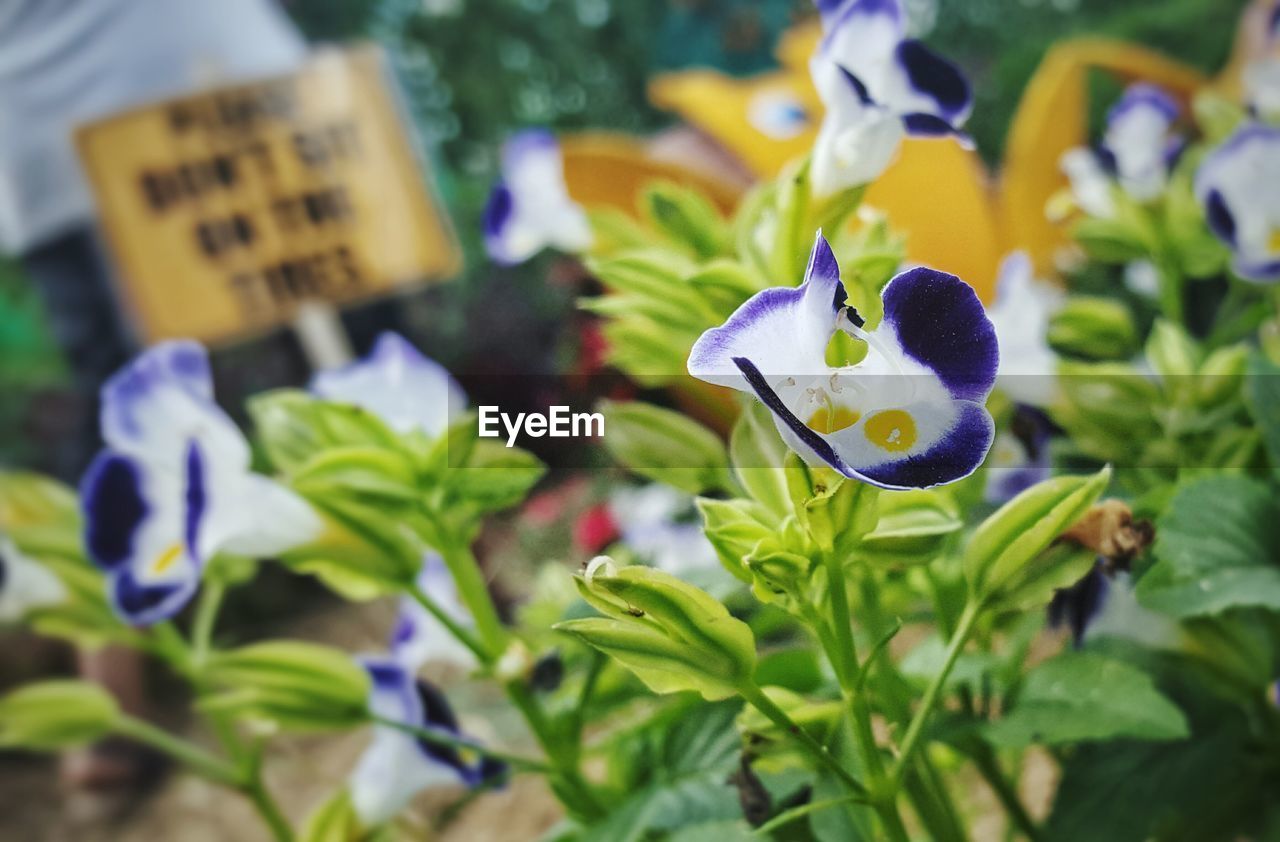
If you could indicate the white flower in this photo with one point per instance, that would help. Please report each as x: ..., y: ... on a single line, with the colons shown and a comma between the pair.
x: 650, y: 521
x: 398, y: 384
x: 1021, y: 314
x: 419, y: 636
x: 174, y: 488
x: 530, y: 208
x: 25, y: 584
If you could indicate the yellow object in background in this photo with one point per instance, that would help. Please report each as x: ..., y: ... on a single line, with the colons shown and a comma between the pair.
x: 956, y: 216
x: 227, y: 209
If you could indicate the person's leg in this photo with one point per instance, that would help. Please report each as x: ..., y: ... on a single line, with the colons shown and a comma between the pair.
x: 73, y: 278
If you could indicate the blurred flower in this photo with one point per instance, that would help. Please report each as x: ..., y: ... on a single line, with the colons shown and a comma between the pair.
x: 25, y: 584
x: 1138, y: 147
x: 1020, y: 315
x: 877, y: 86
x: 911, y: 414
x: 1137, y: 151
x: 529, y: 208
x: 595, y: 529
x: 1090, y: 184
x: 1239, y: 186
x: 661, y: 526
x: 778, y: 114
x: 1142, y: 277
x: 1076, y: 607
x: 173, y: 488
x: 419, y: 636
x: 1020, y: 456
x: 398, y: 384
x: 397, y: 765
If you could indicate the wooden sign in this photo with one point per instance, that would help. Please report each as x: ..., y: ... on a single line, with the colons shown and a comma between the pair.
x: 228, y: 208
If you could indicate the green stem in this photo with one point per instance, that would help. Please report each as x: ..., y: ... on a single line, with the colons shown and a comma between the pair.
x: 911, y: 741
x: 206, y: 618
x: 473, y: 590
x: 563, y: 755
x: 756, y: 697
x: 439, y: 738
x: 190, y: 755
x: 989, y: 767
x: 463, y: 635
x: 885, y: 802
x: 269, y: 810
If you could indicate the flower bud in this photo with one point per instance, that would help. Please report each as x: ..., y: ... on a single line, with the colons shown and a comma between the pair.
x: 289, y: 684
x: 673, y: 636
x: 56, y: 714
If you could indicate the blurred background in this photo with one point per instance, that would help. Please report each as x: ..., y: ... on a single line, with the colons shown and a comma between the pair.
x: 468, y: 73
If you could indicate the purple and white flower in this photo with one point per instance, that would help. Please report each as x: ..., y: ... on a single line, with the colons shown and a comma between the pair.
x: 1239, y: 186
x: 397, y: 765
x: 661, y: 526
x: 911, y: 414
x: 877, y: 86
x: 395, y: 382
x: 1137, y: 151
x: 1021, y: 313
x: 1020, y: 456
x: 174, y: 488
x: 25, y: 584
x: 419, y: 636
x: 530, y: 208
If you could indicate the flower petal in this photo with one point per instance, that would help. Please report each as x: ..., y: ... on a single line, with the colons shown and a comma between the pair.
x: 397, y: 765
x: 924, y: 82
x: 162, y: 400
x: 938, y: 321
x: 25, y: 584
x: 397, y: 383
x: 1237, y: 184
x: 783, y: 331
x: 1137, y: 139
x: 1021, y: 314
x: 419, y: 636
x: 138, y: 520
x: 530, y: 208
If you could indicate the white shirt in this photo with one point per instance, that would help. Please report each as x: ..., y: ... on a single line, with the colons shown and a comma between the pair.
x: 67, y: 62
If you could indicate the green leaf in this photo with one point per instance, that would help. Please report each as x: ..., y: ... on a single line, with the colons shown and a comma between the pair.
x: 293, y: 427
x: 758, y: 453
x: 673, y: 778
x: 673, y: 636
x: 687, y: 217
x: 1110, y: 240
x: 725, y: 285
x: 56, y: 714
x: 333, y: 821
x: 1003, y: 546
x: 665, y: 446
x: 1218, y: 547
x: 496, y: 477
x: 1080, y: 697
x: 1262, y: 393
x: 293, y: 684
x: 1094, y: 328
x: 911, y: 526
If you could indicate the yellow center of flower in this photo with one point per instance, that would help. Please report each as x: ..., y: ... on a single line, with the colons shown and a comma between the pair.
x: 166, y: 559
x: 893, y: 430
x: 1273, y: 242
x: 830, y: 418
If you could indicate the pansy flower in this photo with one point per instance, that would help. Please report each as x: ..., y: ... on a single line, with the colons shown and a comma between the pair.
x: 661, y: 526
x: 173, y: 487
x: 419, y: 636
x: 1262, y: 77
x: 25, y: 584
x: 1020, y: 455
x: 1138, y: 149
x: 398, y: 384
x: 1021, y: 313
x: 877, y: 86
x: 530, y: 208
x: 1239, y: 186
x: 911, y: 414
x: 397, y: 765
